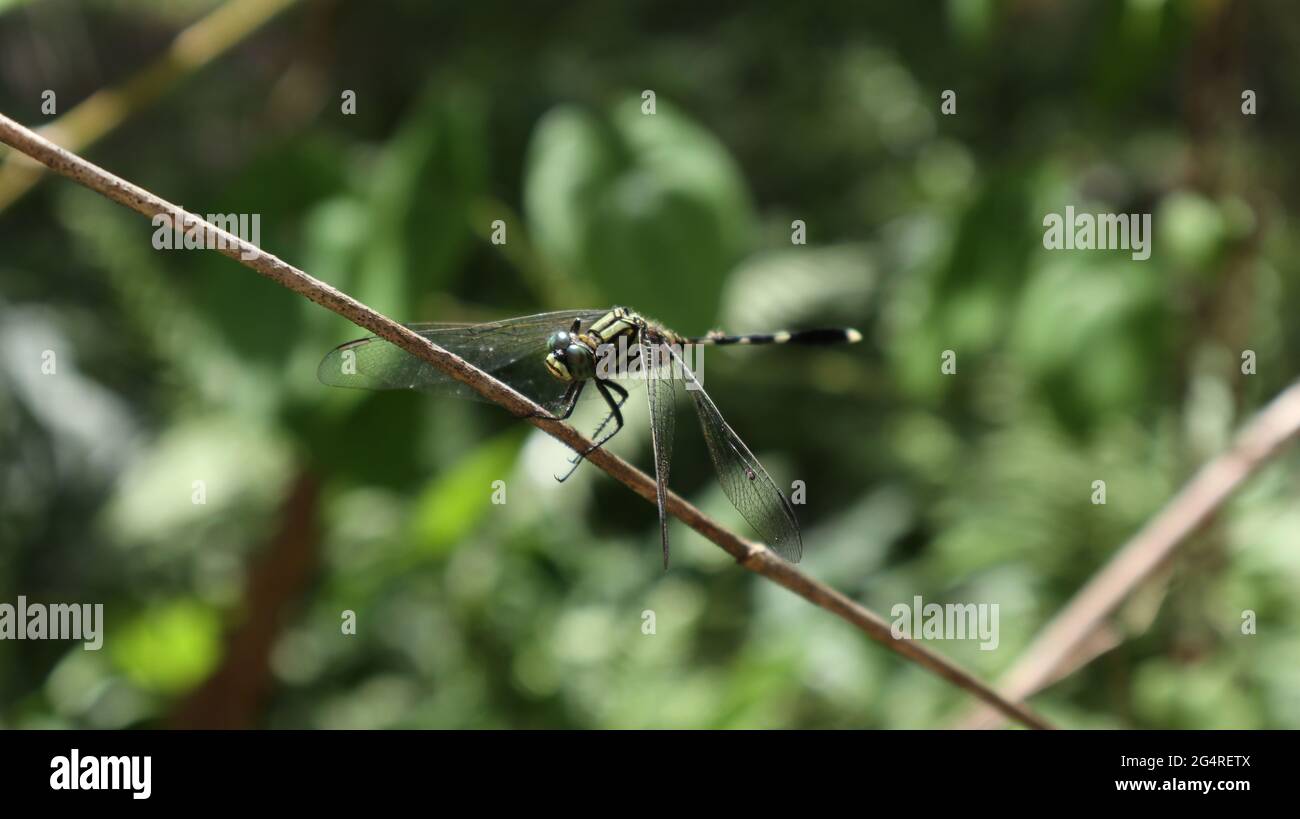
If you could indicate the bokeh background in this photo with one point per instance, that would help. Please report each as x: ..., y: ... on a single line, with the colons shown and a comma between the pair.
x: 924, y: 231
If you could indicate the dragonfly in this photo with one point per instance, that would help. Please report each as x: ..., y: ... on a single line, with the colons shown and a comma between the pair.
x: 558, y: 358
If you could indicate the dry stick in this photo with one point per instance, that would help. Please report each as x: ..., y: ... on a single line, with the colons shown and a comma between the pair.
x: 1058, y: 650
x: 752, y: 556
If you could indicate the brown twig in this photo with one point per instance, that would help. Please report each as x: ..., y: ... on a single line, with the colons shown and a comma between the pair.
x: 233, y: 695
x: 752, y: 556
x: 1060, y: 647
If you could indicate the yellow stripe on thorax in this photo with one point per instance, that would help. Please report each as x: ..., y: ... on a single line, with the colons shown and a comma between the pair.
x: 615, y: 323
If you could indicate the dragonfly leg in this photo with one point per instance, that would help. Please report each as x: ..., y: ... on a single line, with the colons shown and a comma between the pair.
x: 610, y: 417
x: 615, y: 413
x: 569, y: 401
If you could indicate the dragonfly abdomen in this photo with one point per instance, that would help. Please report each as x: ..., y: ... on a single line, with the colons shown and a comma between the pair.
x: 807, y: 337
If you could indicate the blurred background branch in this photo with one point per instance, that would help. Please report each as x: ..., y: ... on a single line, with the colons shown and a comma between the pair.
x: 87, y: 122
x: 1077, y: 634
x: 235, y: 695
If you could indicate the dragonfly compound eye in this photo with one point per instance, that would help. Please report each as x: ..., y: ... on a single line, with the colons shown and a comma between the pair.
x: 556, y: 342
x: 578, y: 360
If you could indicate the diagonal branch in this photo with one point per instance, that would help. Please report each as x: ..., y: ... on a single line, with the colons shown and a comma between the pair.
x: 1069, y: 641
x: 752, y: 556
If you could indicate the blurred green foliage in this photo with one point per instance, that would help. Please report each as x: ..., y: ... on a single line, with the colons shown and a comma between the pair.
x: 924, y: 230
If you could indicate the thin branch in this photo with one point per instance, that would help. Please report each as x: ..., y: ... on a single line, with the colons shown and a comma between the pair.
x: 101, y: 112
x: 752, y: 556
x: 1062, y: 646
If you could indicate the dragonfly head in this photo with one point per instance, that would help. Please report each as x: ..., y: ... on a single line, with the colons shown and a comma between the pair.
x: 569, y: 359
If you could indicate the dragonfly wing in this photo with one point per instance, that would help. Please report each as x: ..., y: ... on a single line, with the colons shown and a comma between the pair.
x: 744, y: 480
x: 512, y: 350
x: 661, y: 396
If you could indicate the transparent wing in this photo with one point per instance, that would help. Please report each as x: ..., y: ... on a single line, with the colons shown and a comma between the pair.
x: 513, y: 350
x: 746, y: 483
x: 661, y: 395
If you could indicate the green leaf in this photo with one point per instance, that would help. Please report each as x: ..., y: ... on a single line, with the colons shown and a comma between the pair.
x: 649, y: 207
x: 170, y: 647
x: 572, y: 158
x: 1193, y: 228
x: 452, y: 506
x: 429, y: 175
